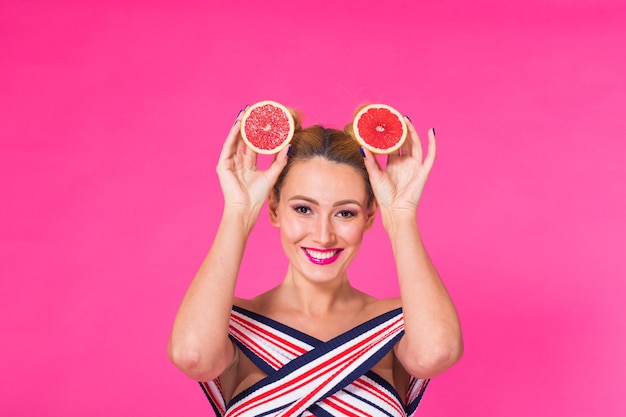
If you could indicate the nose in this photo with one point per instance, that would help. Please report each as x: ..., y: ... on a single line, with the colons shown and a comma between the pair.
x: 324, y: 231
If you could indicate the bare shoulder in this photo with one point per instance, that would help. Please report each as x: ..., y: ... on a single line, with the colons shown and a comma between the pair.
x: 243, y: 303
x: 381, y: 306
x: 261, y: 304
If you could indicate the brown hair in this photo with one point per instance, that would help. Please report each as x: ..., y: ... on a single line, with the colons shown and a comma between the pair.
x: 330, y: 144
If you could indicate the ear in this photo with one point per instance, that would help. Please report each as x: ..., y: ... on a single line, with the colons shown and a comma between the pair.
x: 371, y: 215
x: 272, y: 206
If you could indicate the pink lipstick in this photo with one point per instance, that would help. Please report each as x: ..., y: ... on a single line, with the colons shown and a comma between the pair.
x: 322, y: 256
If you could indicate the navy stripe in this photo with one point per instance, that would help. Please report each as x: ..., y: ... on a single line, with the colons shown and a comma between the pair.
x: 216, y: 410
x: 274, y: 411
x: 383, y: 383
x: 310, y: 340
x: 412, y: 407
x: 296, y: 334
x: 318, y: 411
x: 255, y: 359
x: 322, y: 349
x: 358, y: 397
x: 366, y: 365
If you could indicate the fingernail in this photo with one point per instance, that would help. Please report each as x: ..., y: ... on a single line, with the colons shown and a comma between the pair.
x: 408, y: 118
x: 288, y: 150
x: 362, y: 151
x: 237, y: 118
x: 433, y: 131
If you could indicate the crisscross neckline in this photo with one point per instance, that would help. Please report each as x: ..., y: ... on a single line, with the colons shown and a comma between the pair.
x: 281, y: 330
x: 307, y: 338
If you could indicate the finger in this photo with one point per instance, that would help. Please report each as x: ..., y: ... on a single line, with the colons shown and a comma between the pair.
x: 231, y: 144
x: 278, y: 165
x: 241, y: 146
x: 392, y: 156
x: 371, y: 164
x: 415, y: 142
x: 432, y: 150
x: 407, y: 147
x: 250, y: 158
x: 404, y: 149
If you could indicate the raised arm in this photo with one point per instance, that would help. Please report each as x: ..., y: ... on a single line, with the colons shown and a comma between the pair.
x: 199, y: 344
x: 432, y: 341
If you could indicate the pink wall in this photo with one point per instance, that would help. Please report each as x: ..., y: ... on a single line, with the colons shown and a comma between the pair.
x: 112, y: 114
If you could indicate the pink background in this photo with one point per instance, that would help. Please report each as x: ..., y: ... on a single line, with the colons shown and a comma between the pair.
x: 112, y: 116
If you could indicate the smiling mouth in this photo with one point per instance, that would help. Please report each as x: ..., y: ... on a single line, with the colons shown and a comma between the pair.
x: 322, y: 257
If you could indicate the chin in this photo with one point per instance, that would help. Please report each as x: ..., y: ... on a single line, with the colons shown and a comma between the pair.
x: 322, y: 277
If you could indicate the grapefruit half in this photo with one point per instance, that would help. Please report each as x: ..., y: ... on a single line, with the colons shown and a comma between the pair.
x: 380, y: 128
x: 267, y: 127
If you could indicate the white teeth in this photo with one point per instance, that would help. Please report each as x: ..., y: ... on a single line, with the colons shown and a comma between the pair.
x: 321, y: 255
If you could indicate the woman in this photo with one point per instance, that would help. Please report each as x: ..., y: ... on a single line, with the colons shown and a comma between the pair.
x: 315, y: 345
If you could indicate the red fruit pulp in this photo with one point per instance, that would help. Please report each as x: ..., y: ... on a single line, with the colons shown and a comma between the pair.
x: 267, y: 127
x: 380, y: 128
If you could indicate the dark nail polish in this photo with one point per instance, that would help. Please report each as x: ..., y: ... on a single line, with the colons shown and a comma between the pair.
x: 362, y: 151
x: 237, y: 118
x: 288, y: 150
x: 433, y: 131
x: 408, y: 118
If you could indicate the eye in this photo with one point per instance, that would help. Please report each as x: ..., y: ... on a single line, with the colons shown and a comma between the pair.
x: 346, y: 214
x: 302, y: 209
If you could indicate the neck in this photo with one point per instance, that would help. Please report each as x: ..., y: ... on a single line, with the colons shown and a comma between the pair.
x: 315, y: 298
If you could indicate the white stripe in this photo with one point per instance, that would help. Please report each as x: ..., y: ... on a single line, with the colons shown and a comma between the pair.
x: 338, y: 358
x: 356, y: 358
x: 284, y: 354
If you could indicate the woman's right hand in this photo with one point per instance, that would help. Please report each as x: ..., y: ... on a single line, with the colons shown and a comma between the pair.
x: 244, y: 186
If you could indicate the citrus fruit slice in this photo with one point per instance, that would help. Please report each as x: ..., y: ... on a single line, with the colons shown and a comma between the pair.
x: 379, y: 128
x: 267, y: 127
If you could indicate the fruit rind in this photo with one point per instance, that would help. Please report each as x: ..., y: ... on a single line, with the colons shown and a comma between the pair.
x: 284, y: 143
x: 372, y: 148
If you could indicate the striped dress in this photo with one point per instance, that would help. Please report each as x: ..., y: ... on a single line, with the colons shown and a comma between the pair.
x: 308, y: 377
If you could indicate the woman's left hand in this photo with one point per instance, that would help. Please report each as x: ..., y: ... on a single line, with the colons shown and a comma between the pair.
x: 398, y: 188
x: 432, y: 340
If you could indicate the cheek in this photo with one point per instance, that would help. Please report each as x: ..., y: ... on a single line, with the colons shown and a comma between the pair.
x: 292, y: 229
x: 352, y: 233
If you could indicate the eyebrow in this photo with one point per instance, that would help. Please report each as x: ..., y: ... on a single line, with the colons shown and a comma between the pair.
x: 338, y: 203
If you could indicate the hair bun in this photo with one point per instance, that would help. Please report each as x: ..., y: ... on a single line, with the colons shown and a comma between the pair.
x: 298, y: 117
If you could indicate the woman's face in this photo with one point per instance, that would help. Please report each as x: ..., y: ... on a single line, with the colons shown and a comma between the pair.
x: 322, y: 215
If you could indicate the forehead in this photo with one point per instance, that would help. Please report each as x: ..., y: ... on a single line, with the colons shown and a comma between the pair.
x: 322, y: 180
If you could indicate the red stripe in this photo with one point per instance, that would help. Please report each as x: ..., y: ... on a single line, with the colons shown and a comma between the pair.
x: 348, y: 361
x: 271, y: 337
x: 217, y: 401
x: 336, y: 403
x: 257, y: 349
x: 411, y: 393
x: 352, y: 353
x: 274, y: 343
x: 352, y: 359
x: 378, y: 393
x: 357, y: 349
